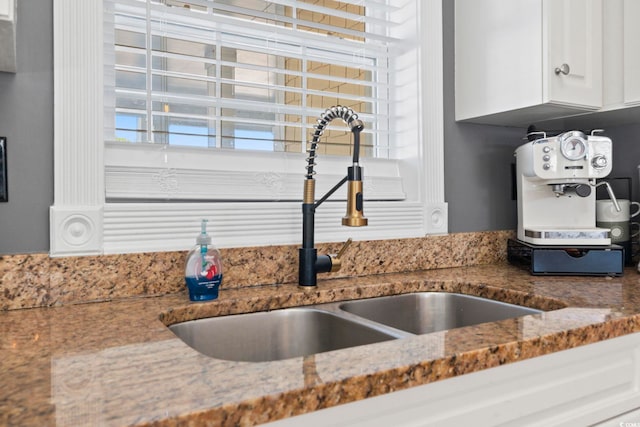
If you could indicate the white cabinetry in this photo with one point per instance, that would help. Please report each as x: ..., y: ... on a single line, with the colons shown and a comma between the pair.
x: 572, y: 44
x: 621, y: 52
x: 631, y: 59
x: 577, y: 387
x: 526, y: 61
x: 8, y: 35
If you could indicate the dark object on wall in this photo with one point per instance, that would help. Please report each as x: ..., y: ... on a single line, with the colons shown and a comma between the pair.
x: 4, y: 188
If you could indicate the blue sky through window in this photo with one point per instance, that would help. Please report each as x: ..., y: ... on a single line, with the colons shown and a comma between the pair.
x: 247, y: 139
x: 189, y: 136
x: 124, y: 122
x: 195, y: 136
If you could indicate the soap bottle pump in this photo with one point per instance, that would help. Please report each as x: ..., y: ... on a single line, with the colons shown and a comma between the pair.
x: 203, y: 271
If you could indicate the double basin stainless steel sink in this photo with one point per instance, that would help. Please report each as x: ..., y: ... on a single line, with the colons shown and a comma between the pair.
x: 302, y: 331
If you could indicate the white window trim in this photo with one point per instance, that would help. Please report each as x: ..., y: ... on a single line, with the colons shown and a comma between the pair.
x: 83, y: 223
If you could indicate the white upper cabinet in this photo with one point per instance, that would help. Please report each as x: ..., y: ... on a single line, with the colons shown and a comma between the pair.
x: 631, y: 58
x: 621, y: 54
x: 525, y: 61
x: 572, y: 52
x: 8, y: 35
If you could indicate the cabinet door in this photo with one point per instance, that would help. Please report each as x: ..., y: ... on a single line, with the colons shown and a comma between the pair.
x: 573, y: 61
x: 631, y: 51
x: 8, y: 36
x: 6, y: 9
x: 497, y: 56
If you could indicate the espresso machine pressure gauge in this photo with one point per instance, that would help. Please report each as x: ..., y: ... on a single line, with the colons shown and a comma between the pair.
x: 573, y: 145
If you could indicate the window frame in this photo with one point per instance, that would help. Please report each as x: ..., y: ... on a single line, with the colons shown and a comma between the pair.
x: 83, y: 222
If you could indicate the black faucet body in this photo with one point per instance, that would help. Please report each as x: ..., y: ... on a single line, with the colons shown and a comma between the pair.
x: 310, y: 263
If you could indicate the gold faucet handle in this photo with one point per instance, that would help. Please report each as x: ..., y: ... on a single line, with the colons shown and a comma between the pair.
x: 336, y: 259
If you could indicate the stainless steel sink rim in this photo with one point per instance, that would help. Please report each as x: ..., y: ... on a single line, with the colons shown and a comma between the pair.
x: 214, y: 336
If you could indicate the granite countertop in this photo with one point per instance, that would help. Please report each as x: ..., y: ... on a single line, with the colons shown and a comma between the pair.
x: 116, y: 363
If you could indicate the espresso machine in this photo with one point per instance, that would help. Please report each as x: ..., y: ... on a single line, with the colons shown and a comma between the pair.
x: 556, y: 178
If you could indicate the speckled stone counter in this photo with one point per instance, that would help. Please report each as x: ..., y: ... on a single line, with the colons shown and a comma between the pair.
x: 116, y: 363
x: 36, y: 280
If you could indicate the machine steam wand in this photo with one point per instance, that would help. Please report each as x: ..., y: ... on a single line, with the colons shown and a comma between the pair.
x: 612, y: 196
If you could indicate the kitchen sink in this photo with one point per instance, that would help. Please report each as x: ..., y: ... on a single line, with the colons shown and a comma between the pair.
x: 301, y: 331
x: 275, y: 335
x: 425, y: 312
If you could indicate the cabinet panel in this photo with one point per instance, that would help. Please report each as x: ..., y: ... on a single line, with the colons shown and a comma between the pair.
x: 7, y: 35
x: 496, y: 65
x: 573, y: 70
x: 6, y: 9
x: 628, y: 419
x: 631, y: 51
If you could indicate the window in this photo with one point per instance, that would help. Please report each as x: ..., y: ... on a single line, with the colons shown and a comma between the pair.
x: 209, y: 106
x: 241, y: 75
x: 247, y: 74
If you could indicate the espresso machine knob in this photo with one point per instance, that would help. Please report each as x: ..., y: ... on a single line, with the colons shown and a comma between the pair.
x: 599, y: 161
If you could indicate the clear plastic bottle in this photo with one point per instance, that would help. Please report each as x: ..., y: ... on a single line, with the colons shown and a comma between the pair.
x: 203, y: 271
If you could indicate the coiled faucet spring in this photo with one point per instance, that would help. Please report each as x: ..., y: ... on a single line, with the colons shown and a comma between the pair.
x: 348, y: 116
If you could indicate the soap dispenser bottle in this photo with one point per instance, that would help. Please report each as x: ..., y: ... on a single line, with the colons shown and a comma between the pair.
x: 203, y: 272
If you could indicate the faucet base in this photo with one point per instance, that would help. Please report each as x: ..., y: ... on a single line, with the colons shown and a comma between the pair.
x: 310, y: 264
x: 306, y: 266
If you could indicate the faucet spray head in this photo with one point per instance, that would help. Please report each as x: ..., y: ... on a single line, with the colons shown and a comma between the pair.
x: 355, y: 216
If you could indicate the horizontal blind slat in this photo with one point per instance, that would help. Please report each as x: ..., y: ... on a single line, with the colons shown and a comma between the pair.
x: 187, y: 19
x: 204, y: 7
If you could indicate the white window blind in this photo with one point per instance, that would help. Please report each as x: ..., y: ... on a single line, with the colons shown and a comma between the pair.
x: 249, y: 74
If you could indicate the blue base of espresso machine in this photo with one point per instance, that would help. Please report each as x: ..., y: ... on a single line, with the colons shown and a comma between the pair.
x: 567, y: 261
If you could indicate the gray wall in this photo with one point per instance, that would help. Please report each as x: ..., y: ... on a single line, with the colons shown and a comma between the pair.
x: 26, y: 119
x: 477, y: 157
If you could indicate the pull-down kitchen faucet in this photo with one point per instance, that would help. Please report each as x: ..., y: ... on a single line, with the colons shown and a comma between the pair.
x: 310, y: 263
